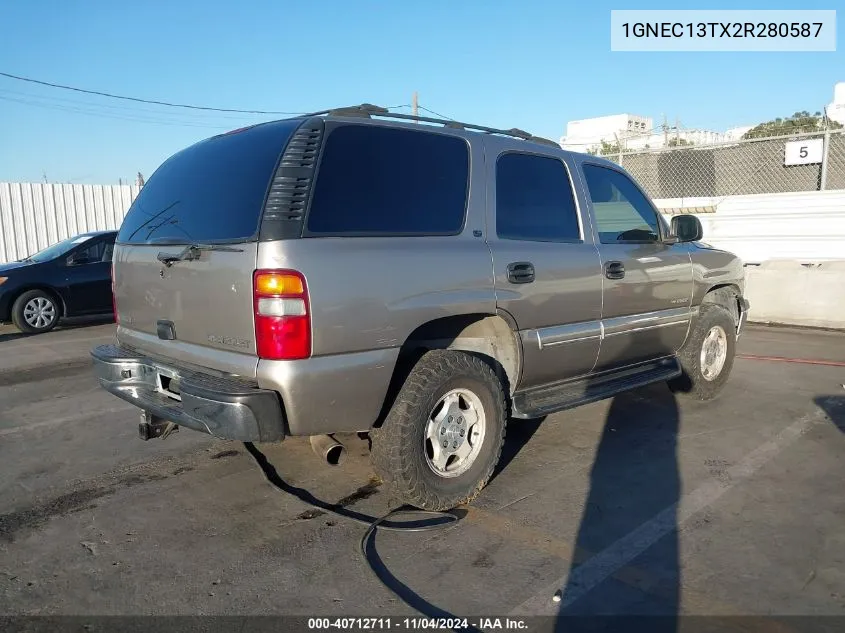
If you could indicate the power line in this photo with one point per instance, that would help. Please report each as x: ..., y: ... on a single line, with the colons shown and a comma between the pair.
x: 61, y: 108
x: 123, y: 108
x: 139, y: 100
x: 442, y: 116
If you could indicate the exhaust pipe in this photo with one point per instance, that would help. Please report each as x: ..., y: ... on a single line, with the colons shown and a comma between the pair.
x: 328, y: 449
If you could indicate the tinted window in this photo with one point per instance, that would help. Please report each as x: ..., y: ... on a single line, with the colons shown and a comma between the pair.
x: 108, y: 253
x: 89, y: 254
x: 534, y: 200
x: 377, y: 180
x: 211, y: 191
x: 623, y: 214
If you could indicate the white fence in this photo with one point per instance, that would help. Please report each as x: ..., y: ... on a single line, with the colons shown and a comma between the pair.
x: 36, y: 215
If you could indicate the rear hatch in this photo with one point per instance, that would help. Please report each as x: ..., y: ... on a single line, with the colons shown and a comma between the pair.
x: 186, y: 251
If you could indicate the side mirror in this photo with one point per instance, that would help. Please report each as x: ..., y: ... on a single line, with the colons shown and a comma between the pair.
x: 687, y: 228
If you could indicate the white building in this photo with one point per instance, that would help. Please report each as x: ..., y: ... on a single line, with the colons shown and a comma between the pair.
x: 836, y: 109
x: 589, y: 133
x: 736, y: 133
x: 635, y: 132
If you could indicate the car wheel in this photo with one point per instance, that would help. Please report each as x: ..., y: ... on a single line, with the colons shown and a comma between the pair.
x: 35, y: 312
x: 442, y: 438
x: 708, y: 355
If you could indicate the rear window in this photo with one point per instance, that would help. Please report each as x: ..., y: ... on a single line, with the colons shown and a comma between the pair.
x: 389, y: 181
x: 210, y: 192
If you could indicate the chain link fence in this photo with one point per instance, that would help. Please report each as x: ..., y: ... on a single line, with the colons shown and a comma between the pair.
x: 736, y: 168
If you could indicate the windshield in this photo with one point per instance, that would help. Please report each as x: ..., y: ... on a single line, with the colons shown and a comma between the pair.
x: 58, y: 249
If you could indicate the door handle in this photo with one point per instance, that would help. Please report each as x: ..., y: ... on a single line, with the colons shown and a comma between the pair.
x: 614, y: 270
x: 520, y: 272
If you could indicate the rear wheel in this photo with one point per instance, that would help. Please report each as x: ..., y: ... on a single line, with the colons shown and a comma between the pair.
x: 708, y: 355
x: 35, y: 311
x: 443, y: 436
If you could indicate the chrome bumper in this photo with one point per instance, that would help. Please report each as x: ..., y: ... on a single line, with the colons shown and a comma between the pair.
x: 223, y: 407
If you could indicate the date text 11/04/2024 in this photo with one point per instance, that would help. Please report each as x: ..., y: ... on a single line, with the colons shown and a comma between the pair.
x: 443, y: 624
x: 723, y: 29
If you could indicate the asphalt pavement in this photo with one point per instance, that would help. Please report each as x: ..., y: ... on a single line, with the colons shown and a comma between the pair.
x: 642, y: 504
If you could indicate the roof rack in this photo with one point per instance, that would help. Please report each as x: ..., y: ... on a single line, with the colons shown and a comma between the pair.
x: 368, y: 110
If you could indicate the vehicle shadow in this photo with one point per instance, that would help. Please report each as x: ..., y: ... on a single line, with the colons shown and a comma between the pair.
x: 626, y: 560
x: 73, y: 323
x: 834, y: 407
x: 519, y: 433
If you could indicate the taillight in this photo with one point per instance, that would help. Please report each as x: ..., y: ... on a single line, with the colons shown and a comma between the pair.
x: 113, y: 297
x: 282, y: 322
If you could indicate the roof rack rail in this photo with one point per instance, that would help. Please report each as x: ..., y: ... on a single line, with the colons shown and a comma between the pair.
x: 368, y: 110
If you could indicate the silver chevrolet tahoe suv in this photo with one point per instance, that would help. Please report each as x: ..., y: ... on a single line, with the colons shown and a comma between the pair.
x: 420, y: 280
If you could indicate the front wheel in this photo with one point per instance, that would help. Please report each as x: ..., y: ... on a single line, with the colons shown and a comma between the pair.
x: 35, y: 312
x: 708, y: 355
x: 443, y: 436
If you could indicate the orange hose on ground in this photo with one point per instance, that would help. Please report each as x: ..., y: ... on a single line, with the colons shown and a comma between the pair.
x: 782, y: 359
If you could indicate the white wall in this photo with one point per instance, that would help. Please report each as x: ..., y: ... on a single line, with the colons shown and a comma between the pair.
x: 807, y: 227
x: 795, y: 245
x: 36, y: 215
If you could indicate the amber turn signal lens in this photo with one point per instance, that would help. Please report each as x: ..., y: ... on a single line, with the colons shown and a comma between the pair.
x: 278, y: 284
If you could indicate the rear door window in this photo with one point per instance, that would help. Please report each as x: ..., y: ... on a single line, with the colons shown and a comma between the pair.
x: 213, y: 191
x: 389, y: 181
x: 534, y: 200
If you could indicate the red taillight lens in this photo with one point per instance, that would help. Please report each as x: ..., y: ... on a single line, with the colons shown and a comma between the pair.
x: 282, y: 320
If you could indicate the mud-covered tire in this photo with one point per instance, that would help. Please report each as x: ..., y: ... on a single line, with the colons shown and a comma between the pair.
x: 399, y: 448
x: 25, y: 307
x: 698, y: 380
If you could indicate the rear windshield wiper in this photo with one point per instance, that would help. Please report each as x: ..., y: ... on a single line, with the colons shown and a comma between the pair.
x: 193, y: 252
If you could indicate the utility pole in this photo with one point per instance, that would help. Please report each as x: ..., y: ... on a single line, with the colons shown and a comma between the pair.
x: 677, y: 131
x: 415, y: 105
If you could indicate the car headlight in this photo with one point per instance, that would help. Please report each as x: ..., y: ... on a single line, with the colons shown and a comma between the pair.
x: 3, y: 280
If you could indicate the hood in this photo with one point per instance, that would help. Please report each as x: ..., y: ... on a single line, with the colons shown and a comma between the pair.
x: 10, y: 266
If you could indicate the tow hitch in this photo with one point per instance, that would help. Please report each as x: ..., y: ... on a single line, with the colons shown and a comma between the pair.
x: 152, y: 426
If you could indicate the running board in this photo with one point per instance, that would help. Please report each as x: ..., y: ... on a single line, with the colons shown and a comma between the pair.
x: 548, y: 399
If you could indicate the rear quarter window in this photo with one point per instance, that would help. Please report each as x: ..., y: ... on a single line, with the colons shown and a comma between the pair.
x: 390, y: 181
x: 213, y: 191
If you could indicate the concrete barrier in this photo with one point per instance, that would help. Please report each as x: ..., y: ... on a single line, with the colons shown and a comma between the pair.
x: 792, y: 293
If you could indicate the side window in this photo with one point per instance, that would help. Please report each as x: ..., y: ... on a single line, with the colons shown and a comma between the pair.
x: 108, y: 252
x: 534, y: 200
x: 623, y: 214
x: 387, y: 181
x: 89, y: 254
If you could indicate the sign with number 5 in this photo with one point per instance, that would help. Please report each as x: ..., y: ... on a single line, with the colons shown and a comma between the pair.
x: 804, y: 152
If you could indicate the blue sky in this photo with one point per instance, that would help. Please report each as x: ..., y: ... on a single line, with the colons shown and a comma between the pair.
x: 528, y: 64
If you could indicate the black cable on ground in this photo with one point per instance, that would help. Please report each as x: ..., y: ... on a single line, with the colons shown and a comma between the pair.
x: 426, y: 520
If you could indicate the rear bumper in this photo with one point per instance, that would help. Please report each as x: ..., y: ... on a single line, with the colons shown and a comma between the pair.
x: 223, y: 407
